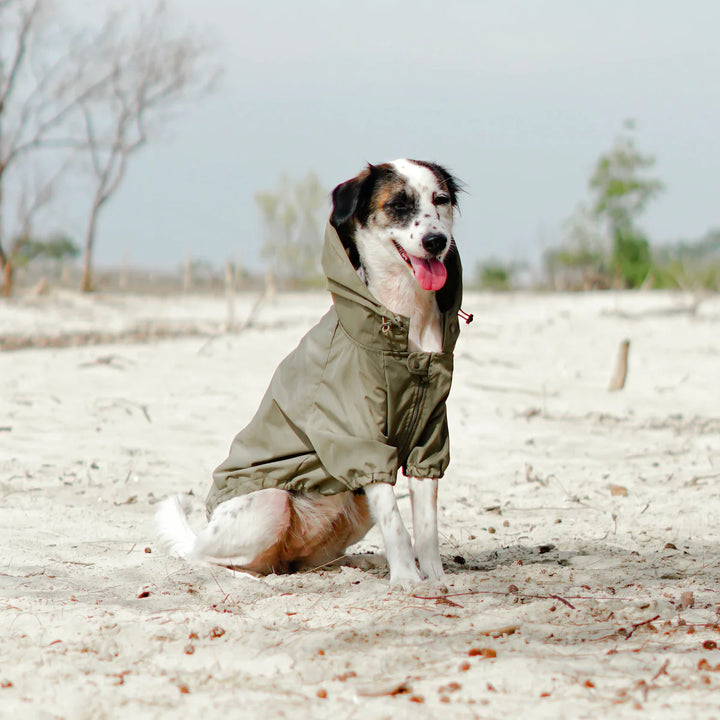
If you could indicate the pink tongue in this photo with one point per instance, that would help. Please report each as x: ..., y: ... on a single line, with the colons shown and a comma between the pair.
x: 430, y: 274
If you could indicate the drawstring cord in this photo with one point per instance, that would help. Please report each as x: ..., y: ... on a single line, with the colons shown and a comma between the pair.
x: 467, y: 317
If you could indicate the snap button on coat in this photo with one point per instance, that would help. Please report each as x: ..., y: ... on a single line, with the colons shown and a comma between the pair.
x: 419, y: 363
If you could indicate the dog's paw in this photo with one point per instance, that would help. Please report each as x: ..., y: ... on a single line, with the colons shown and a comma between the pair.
x: 433, y: 570
x: 428, y: 557
x: 405, y: 580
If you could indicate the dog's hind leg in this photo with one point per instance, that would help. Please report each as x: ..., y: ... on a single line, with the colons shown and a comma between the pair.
x: 239, y: 534
x: 423, y: 495
x: 398, y: 548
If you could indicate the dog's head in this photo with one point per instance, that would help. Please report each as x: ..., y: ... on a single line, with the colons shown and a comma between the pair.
x: 398, y: 218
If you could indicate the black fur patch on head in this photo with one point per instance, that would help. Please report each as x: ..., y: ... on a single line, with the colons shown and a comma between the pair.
x: 446, y: 179
x: 401, y: 207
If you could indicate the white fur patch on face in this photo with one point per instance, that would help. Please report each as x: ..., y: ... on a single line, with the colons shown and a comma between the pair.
x: 431, y: 217
x: 419, y: 177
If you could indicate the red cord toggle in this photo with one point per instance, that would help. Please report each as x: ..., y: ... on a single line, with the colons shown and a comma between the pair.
x: 467, y: 317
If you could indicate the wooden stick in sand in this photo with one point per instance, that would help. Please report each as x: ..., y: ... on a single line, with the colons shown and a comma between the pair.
x: 229, y: 297
x: 617, y: 382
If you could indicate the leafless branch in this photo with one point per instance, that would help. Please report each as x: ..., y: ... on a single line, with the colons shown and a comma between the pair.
x: 39, y: 197
x: 19, y: 54
x: 39, y: 137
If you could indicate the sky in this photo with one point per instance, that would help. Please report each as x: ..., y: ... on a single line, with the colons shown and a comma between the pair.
x: 517, y: 97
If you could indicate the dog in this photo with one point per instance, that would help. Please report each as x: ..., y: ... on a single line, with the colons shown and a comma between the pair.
x: 400, y: 276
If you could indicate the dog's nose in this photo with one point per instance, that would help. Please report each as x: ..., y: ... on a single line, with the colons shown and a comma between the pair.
x: 434, y: 243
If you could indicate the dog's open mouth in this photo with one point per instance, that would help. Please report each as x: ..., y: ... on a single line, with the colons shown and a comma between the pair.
x: 430, y: 273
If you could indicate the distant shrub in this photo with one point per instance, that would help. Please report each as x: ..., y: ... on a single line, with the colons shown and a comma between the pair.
x: 57, y: 249
x: 688, y: 263
x: 494, y: 276
x: 676, y: 275
x: 665, y: 277
x: 631, y: 259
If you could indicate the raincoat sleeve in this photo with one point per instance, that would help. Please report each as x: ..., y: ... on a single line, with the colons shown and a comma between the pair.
x: 431, y: 455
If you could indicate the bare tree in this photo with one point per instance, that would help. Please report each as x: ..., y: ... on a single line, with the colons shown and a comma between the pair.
x: 37, y: 99
x: 10, y: 63
x: 18, y: 22
x: 67, y: 91
x: 149, y: 72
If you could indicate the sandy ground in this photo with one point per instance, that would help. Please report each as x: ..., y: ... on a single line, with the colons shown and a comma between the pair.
x: 580, y: 528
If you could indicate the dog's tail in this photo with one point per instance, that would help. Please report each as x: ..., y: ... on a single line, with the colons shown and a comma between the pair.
x: 172, y: 528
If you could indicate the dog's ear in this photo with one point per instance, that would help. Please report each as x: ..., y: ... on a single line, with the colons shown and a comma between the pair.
x: 344, y: 201
x: 350, y: 198
x: 346, y: 198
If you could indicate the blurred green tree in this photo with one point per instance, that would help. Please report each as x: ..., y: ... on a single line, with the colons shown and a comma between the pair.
x: 621, y: 192
x: 292, y: 219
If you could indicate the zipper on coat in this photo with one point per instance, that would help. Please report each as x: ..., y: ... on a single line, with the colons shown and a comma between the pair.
x: 419, y: 397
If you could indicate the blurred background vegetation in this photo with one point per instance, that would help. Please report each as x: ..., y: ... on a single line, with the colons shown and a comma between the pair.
x: 602, y: 244
x: 83, y: 94
x: 74, y: 114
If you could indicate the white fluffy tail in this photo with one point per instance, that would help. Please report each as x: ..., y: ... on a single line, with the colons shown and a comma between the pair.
x: 172, y: 528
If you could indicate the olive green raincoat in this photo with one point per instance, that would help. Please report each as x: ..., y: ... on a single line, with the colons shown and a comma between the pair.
x: 350, y: 405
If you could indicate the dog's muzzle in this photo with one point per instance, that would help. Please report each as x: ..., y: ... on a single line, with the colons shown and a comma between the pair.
x: 434, y: 243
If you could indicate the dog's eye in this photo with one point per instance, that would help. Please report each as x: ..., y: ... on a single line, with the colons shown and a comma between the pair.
x: 441, y: 199
x: 399, y: 203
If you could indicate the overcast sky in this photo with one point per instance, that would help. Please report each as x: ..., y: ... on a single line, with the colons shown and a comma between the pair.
x: 517, y: 97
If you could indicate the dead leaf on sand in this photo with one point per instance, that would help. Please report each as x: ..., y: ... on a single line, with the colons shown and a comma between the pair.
x: 483, y: 653
x: 382, y: 690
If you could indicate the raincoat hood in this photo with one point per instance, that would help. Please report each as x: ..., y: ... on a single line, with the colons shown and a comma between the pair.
x: 351, y: 405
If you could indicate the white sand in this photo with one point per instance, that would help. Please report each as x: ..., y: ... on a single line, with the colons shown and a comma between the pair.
x: 546, y: 565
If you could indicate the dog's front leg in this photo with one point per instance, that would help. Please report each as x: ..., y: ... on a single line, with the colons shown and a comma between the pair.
x: 398, y: 548
x: 423, y: 495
